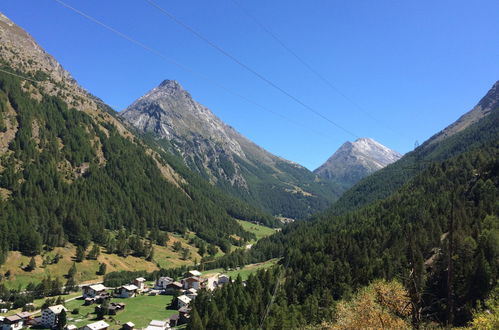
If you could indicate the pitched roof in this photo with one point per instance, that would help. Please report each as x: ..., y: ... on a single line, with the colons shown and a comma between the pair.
x: 57, y: 309
x: 97, y: 325
x: 140, y: 279
x: 158, y: 323
x: 130, y: 324
x: 192, y: 279
x: 183, y: 298
x: 130, y: 287
x: 194, y: 272
x: 97, y: 287
x: 13, y: 318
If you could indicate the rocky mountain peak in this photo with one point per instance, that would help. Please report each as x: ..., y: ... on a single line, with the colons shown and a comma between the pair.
x: 355, y: 160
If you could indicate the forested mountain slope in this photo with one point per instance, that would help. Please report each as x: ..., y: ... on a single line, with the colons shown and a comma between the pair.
x: 479, y: 126
x: 226, y: 158
x: 69, y: 170
x: 446, y: 214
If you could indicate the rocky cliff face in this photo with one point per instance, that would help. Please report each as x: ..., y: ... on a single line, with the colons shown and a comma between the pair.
x: 222, y: 155
x: 356, y: 160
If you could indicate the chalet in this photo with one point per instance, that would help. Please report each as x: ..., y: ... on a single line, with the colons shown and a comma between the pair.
x: 140, y: 283
x: 126, y: 291
x: 191, y: 293
x: 173, y: 287
x: 174, y: 320
x: 183, y: 301
x: 192, y: 273
x: 192, y: 282
x: 162, y: 282
x: 99, y: 325
x: 50, y: 316
x: 184, y: 316
x: 13, y: 322
x: 128, y: 326
x: 92, y: 291
x: 115, y: 307
x: 158, y: 325
x: 71, y: 327
x: 27, y: 317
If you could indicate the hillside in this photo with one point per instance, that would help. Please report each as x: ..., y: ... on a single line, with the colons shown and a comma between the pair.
x: 446, y: 212
x: 226, y: 158
x: 478, y: 127
x: 70, y: 171
x: 356, y: 160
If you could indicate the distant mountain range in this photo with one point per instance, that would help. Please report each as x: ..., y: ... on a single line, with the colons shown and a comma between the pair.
x: 240, y: 167
x: 356, y: 160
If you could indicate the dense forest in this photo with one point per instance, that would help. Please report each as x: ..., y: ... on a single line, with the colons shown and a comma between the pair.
x: 65, y: 177
x: 444, y: 218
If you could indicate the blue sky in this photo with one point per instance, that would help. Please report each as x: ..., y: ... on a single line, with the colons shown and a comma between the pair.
x: 413, y: 66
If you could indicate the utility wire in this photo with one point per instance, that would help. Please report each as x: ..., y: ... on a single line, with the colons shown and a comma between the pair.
x: 308, y: 66
x: 246, y: 67
x: 185, y: 68
x: 16, y: 75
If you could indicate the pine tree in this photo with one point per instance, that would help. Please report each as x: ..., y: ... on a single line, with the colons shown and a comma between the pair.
x: 102, y: 269
x: 61, y: 320
x: 80, y: 253
x: 32, y: 265
x: 72, y: 271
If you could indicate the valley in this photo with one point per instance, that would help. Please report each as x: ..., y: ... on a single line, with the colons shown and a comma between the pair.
x: 163, y: 216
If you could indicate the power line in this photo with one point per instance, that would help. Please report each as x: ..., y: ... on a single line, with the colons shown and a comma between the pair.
x: 16, y: 75
x: 184, y: 67
x: 246, y: 67
x: 308, y: 66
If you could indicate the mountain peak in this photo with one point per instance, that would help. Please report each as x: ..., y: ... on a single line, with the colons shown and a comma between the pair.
x: 355, y: 160
x: 167, y: 83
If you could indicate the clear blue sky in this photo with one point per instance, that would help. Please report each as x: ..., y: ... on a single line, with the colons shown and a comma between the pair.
x: 415, y: 66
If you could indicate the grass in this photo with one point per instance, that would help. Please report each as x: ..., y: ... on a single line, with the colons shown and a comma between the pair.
x: 140, y: 310
x: 164, y: 256
x: 259, y: 230
x: 244, y: 271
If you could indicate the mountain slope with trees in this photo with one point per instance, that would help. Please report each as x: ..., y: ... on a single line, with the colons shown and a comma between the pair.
x: 71, y: 171
x: 478, y: 126
x: 438, y: 233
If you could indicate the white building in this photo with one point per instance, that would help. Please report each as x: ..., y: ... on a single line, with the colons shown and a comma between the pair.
x: 99, y: 325
x: 162, y: 282
x: 140, y: 283
x: 158, y: 325
x: 90, y: 291
x: 127, y: 291
x: 50, y: 315
x: 192, y: 273
x: 183, y: 301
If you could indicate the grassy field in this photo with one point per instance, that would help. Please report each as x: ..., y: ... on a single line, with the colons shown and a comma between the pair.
x: 165, y: 257
x: 139, y: 310
x: 259, y: 230
x: 244, y: 271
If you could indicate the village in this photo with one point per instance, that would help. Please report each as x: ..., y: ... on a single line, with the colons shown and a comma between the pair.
x: 103, y: 305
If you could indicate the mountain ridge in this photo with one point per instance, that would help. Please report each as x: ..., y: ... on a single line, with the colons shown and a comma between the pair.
x: 356, y: 160
x: 225, y: 157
